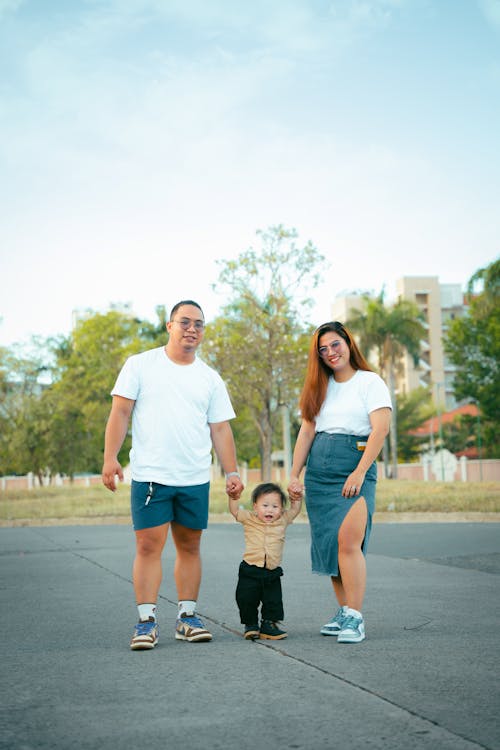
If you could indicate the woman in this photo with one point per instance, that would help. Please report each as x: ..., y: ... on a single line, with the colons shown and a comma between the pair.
x: 346, y: 411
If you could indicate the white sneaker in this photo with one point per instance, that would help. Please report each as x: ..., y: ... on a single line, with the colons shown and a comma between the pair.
x: 353, y: 630
x: 335, y: 625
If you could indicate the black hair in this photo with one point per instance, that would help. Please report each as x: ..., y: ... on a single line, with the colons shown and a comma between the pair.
x: 184, y: 302
x: 265, y: 489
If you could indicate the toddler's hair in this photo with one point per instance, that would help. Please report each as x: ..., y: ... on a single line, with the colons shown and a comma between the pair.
x: 265, y: 489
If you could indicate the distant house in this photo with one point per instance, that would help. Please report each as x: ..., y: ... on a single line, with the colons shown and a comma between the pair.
x: 431, y: 426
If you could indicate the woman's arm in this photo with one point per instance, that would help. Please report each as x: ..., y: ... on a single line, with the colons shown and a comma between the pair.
x: 301, y: 451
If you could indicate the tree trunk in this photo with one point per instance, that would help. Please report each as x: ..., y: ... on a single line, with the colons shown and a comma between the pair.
x: 266, y: 439
x: 385, y: 456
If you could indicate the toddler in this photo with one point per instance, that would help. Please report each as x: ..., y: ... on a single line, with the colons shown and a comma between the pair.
x: 259, y: 574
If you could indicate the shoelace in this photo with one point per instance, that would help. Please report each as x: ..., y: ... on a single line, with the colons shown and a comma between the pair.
x: 338, y: 616
x: 144, y: 628
x: 351, y: 622
x: 193, y: 621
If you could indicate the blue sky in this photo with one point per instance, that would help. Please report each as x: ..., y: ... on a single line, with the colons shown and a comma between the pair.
x: 141, y: 140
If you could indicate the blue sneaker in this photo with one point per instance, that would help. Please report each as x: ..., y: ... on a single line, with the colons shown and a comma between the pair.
x: 353, y: 630
x: 190, y: 628
x: 145, y: 635
x: 335, y: 625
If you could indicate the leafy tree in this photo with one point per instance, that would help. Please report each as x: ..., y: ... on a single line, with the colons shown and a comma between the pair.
x: 23, y: 377
x: 461, y: 434
x: 86, y: 368
x: 55, y: 393
x: 473, y: 346
x: 389, y: 331
x: 413, y: 410
x: 258, y: 343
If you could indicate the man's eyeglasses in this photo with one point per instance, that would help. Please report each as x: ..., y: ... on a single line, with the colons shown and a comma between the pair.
x: 186, y: 323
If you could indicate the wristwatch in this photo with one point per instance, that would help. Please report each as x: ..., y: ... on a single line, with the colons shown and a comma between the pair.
x: 232, y: 474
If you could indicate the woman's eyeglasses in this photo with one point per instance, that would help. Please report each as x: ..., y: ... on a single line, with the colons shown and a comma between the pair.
x: 324, y: 350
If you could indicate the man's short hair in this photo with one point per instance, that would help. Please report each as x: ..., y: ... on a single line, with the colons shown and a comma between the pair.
x: 184, y: 302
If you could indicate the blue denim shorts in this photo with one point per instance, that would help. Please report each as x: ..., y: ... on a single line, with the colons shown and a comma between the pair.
x: 154, y: 504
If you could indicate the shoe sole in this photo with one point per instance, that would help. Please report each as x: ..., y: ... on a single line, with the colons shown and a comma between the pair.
x: 356, y: 639
x: 329, y: 632
x: 265, y: 637
x: 143, y: 645
x: 194, y: 638
x: 251, y: 635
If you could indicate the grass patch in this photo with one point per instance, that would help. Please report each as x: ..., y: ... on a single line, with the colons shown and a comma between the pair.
x: 97, y: 502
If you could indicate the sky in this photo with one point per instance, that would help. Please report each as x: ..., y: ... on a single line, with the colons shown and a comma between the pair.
x: 143, y: 140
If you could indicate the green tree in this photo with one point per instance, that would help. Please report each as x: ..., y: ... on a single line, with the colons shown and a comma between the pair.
x: 461, y: 434
x: 472, y: 344
x: 389, y: 331
x: 23, y: 377
x: 55, y: 393
x: 413, y: 409
x: 86, y: 368
x: 259, y: 343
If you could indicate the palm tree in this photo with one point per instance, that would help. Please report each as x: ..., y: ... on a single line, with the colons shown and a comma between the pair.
x: 389, y: 331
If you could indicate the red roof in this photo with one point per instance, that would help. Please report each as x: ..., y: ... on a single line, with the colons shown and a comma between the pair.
x: 432, y: 424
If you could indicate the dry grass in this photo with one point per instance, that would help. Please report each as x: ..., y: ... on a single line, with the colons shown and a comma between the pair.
x: 95, y: 502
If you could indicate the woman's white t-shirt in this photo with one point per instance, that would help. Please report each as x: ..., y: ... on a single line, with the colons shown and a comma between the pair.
x: 174, y: 405
x: 347, y: 405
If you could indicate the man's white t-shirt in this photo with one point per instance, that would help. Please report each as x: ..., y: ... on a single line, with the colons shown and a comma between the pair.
x: 174, y: 405
x: 347, y: 406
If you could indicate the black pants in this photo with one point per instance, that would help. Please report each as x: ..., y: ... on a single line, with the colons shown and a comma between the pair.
x: 259, y: 586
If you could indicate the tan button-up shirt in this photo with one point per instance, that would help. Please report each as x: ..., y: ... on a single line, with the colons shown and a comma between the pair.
x: 263, y: 541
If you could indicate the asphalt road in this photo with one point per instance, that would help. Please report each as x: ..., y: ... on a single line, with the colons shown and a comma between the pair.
x: 426, y: 676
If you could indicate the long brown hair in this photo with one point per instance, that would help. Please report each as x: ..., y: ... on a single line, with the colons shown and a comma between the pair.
x: 318, y: 373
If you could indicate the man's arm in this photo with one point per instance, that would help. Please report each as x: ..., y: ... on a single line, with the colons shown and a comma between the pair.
x: 116, y: 431
x: 223, y: 442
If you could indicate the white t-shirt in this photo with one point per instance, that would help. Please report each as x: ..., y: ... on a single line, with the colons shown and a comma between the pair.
x: 174, y: 405
x: 347, y: 406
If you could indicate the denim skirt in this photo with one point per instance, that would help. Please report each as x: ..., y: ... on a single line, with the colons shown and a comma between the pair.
x: 331, y: 459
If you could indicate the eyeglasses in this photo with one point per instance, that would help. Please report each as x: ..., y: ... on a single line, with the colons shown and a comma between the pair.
x: 186, y: 323
x: 334, y: 346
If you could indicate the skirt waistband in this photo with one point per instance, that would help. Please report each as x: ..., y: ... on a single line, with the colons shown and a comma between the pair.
x: 340, y: 437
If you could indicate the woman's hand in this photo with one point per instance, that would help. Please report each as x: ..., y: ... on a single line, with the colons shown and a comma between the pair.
x: 353, y: 483
x: 295, y: 489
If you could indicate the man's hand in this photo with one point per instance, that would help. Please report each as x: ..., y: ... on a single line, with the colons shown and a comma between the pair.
x: 110, y: 470
x: 234, y: 487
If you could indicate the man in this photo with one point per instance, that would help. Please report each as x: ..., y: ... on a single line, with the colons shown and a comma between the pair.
x: 180, y: 408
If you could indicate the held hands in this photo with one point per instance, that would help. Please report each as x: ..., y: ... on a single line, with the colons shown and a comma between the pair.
x: 234, y: 487
x: 110, y: 470
x: 295, y: 489
x: 353, y: 483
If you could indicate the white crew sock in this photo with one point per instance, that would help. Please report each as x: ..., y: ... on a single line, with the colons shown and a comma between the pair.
x: 353, y: 612
x: 146, y: 611
x: 186, y: 607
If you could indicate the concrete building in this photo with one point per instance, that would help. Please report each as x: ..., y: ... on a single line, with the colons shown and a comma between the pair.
x: 439, y: 304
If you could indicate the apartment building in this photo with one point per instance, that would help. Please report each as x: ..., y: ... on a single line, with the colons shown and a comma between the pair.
x: 439, y: 304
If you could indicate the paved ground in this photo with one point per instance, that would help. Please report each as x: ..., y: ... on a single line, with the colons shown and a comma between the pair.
x: 426, y: 677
